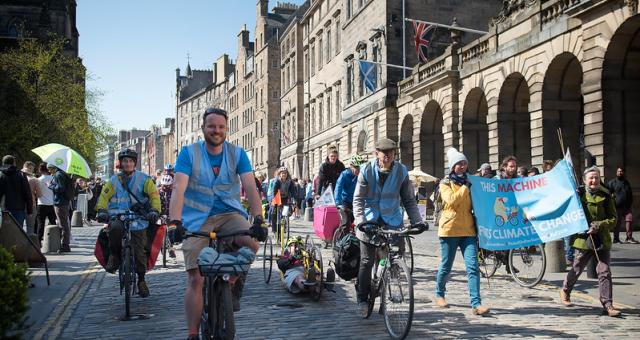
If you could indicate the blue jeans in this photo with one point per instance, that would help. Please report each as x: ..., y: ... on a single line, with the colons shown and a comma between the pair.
x: 469, y: 249
x: 568, y: 249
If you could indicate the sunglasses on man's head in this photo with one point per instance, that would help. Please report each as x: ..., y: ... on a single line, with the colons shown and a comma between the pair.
x: 215, y: 111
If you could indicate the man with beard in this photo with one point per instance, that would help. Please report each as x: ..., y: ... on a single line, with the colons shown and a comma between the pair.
x: 330, y: 170
x: 508, y: 168
x: 621, y: 190
x: 206, y: 197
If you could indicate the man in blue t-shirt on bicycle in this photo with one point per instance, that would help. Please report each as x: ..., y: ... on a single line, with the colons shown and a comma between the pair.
x: 206, y: 197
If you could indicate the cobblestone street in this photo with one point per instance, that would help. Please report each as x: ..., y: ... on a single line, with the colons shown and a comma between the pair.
x: 270, y: 312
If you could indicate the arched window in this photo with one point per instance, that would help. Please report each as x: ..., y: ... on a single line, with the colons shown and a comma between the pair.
x: 362, y: 142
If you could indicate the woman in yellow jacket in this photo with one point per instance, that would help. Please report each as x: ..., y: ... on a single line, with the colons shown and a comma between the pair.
x: 457, y: 230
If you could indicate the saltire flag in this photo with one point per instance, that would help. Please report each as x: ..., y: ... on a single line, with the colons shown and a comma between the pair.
x: 368, y: 74
x: 422, y: 39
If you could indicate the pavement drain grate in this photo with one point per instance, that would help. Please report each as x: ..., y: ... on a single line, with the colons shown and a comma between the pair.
x: 537, y: 298
x: 287, y: 305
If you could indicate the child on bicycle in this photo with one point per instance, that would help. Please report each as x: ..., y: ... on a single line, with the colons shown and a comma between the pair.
x: 166, y: 186
x: 292, y: 267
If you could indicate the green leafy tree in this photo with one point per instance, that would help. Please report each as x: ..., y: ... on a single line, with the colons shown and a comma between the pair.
x: 43, y: 100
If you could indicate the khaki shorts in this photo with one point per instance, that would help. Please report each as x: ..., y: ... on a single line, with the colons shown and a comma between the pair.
x: 227, y: 223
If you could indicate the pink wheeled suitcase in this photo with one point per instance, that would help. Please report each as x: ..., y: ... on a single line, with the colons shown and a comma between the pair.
x: 326, y: 220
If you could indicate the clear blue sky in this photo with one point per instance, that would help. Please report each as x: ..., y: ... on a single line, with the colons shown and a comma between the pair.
x: 131, y: 48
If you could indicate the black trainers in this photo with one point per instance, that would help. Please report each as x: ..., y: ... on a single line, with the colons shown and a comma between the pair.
x: 616, y: 240
x: 113, y: 264
x: 143, y: 290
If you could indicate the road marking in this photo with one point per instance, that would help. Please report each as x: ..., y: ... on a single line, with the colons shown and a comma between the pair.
x: 62, y: 312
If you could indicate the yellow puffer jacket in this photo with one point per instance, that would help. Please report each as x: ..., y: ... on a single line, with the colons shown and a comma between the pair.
x: 456, y: 219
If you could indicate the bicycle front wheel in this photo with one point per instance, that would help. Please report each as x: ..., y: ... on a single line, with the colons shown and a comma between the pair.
x: 267, y: 259
x: 397, y: 299
x: 225, y: 323
x: 488, y: 262
x: 528, y: 265
x: 207, y: 324
x: 128, y: 280
x: 407, y: 255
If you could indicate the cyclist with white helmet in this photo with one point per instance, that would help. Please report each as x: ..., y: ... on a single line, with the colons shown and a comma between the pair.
x: 168, y: 169
x: 287, y: 189
x: 345, y: 187
x: 166, y: 187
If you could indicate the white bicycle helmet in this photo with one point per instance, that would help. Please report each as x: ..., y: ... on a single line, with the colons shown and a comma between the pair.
x: 166, y: 180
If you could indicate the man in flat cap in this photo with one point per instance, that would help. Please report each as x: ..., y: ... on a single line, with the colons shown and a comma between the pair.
x: 383, y: 188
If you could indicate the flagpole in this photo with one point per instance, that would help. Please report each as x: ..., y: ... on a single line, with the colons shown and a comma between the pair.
x: 457, y: 28
x: 385, y: 64
x: 404, y: 43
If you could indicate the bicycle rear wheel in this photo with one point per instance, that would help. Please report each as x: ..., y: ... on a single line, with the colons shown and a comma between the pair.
x: 225, y: 322
x: 316, y: 271
x: 128, y: 280
x: 397, y: 299
x: 488, y: 262
x: 528, y: 265
x: 267, y: 259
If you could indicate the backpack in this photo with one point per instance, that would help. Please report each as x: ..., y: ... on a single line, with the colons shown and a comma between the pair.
x: 69, y: 189
x: 346, y: 257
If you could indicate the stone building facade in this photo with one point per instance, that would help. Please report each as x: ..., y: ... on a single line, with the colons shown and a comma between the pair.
x: 339, y: 109
x: 268, y: 134
x: 196, y: 90
x: 37, y: 18
x: 545, y: 64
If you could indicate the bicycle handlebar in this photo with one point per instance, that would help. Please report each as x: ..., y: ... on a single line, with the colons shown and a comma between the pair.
x: 214, y: 235
x: 126, y: 216
x: 377, y: 228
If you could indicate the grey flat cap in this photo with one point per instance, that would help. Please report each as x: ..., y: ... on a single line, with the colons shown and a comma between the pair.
x: 385, y: 144
x: 485, y: 166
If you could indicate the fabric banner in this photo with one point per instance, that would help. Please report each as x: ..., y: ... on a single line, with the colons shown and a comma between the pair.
x: 527, y: 211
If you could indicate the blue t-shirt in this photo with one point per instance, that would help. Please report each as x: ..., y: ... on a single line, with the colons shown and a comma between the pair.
x: 184, y: 165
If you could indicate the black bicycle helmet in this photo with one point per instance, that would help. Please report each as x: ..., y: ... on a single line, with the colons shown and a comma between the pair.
x: 128, y: 153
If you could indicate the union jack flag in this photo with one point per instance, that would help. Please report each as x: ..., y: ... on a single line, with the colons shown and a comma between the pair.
x: 422, y: 39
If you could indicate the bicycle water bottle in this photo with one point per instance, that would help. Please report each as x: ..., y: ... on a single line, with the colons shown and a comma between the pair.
x: 381, y: 265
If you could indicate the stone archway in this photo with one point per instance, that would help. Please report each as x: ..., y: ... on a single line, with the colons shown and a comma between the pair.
x: 475, y: 130
x: 621, y: 104
x: 562, y: 107
x: 514, y: 121
x: 432, y: 140
x: 406, y: 142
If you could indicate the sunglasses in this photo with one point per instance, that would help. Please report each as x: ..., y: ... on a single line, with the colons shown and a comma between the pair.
x: 215, y: 111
